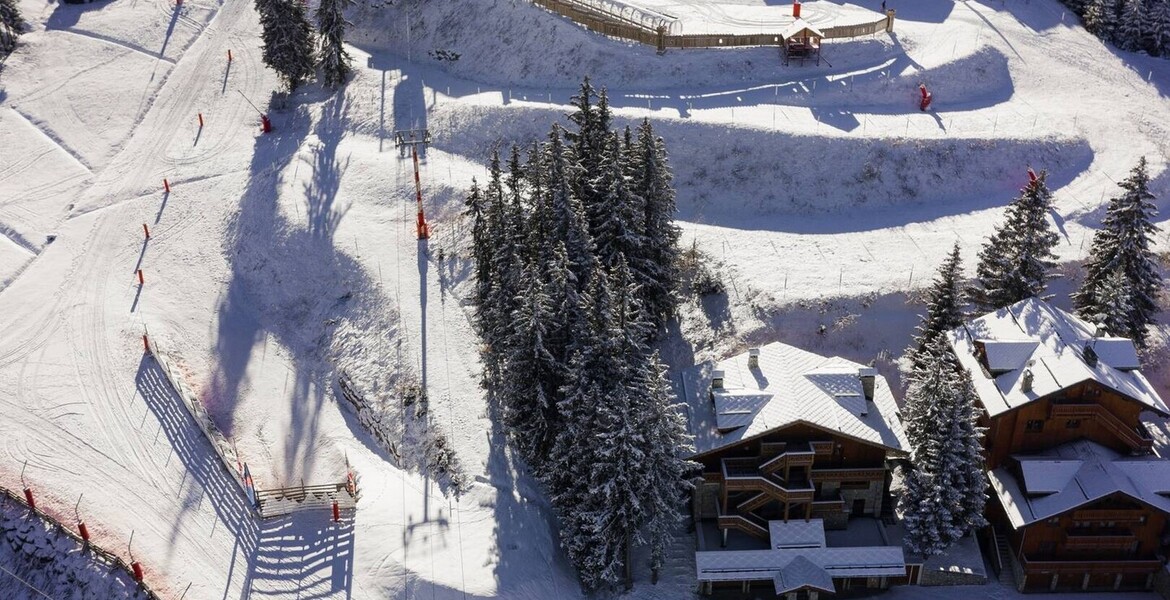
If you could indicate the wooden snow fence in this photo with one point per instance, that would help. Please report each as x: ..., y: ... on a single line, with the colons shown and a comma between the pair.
x: 282, y: 501
x: 266, y: 502
x: 96, y: 552
x: 599, y: 17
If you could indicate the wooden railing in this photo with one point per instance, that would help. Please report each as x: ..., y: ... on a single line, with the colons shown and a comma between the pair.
x: 657, y: 32
x: 282, y: 501
x: 1112, y: 567
x: 795, y: 455
x: 1135, y: 437
x: 747, y: 523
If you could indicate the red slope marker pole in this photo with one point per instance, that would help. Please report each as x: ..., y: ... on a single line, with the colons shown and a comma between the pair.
x: 229, y: 55
x: 146, y: 230
x: 28, y: 497
x: 141, y: 279
x: 201, y: 120
x: 166, y: 186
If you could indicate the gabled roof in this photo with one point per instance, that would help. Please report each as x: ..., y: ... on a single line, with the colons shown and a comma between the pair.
x: 800, y: 574
x: 798, y: 26
x: 1032, y: 335
x: 1074, y: 474
x: 790, y: 386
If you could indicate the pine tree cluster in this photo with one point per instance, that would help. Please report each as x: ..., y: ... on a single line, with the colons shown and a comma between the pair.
x: 575, y: 251
x: 1122, y: 279
x: 11, y: 26
x: 289, y: 45
x: 1133, y: 25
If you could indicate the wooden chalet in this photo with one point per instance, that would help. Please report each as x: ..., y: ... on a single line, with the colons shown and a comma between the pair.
x: 1078, y: 501
x: 790, y: 440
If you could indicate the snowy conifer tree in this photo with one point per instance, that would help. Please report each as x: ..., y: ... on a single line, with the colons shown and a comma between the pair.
x: 944, y: 495
x: 1131, y: 29
x: 1124, y: 244
x: 480, y: 244
x: 11, y: 25
x: 945, y: 303
x: 1016, y: 261
x: 618, y: 213
x: 288, y: 40
x: 1101, y: 18
x: 666, y: 470
x: 335, y: 61
x: 568, y: 219
x: 531, y: 373
x: 1112, y: 305
x: 1158, y: 26
x: 656, y: 267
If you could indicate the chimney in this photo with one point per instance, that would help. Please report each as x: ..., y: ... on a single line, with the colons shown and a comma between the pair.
x: 1026, y: 381
x: 1090, y: 355
x: 753, y: 358
x: 867, y: 375
x: 716, y: 380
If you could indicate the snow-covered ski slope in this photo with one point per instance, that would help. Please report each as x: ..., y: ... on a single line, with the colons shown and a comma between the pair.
x: 276, y: 260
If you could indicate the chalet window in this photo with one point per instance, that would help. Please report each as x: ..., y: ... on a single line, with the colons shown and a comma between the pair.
x: 1054, y: 521
x: 1072, y: 424
x: 1034, y: 426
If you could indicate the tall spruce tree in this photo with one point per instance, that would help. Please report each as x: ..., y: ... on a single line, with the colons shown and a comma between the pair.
x: 666, y: 469
x: 1016, y: 261
x: 1158, y: 27
x: 568, y: 219
x: 945, y: 303
x: 1123, y: 244
x: 531, y: 373
x: 656, y: 267
x: 1131, y: 29
x: 11, y: 26
x: 945, y: 493
x: 335, y: 61
x: 288, y: 40
x: 1101, y: 18
x: 618, y: 213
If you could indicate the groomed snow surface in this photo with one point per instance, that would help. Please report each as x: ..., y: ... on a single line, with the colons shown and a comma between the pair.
x: 821, y: 192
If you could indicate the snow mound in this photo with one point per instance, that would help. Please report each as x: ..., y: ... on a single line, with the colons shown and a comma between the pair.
x: 719, y: 170
x: 517, y: 42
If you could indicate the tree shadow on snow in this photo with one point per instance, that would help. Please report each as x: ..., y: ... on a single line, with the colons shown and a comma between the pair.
x: 67, y: 14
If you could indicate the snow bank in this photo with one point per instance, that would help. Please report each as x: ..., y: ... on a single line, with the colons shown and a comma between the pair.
x: 31, y: 549
x: 740, y: 177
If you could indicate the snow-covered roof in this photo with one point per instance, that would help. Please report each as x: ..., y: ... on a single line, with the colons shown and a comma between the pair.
x: 790, y: 386
x: 801, y: 573
x: 797, y: 534
x: 1032, y: 335
x: 1071, y: 475
x: 799, y: 25
x: 754, y: 565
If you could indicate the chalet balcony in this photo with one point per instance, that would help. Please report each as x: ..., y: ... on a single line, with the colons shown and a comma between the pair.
x: 1111, y: 540
x: 1135, y: 437
x: 1109, y: 567
x: 742, y: 475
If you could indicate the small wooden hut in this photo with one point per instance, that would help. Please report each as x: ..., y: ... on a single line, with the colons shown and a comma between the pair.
x: 801, y: 42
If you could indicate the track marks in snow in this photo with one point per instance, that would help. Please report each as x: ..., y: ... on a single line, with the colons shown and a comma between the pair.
x: 54, y: 139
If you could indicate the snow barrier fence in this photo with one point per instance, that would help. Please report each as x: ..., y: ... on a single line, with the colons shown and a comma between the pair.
x: 267, y: 502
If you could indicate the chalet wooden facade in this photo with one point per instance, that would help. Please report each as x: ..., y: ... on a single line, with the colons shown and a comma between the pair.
x: 1077, y: 497
x: 792, y: 444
